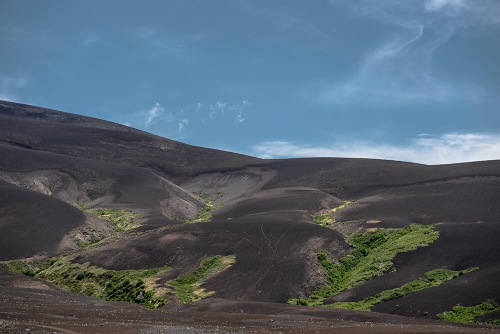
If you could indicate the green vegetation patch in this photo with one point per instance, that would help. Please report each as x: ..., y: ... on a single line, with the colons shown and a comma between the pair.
x: 123, y: 285
x: 122, y: 220
x: 89, y: 244
x: 29, y: 269
x: 372, y: 255
x: 20, y: 267
x: 326, y: 219
x: 187, y: 286
x: 205, y: 213
x: 433, y: 278
x: 468, y: 314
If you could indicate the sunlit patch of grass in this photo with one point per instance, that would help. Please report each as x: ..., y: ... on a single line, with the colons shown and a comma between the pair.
x: 433, y: 278
x: 188, y: 286
x: 20, y: 267
x: 205, y: 213
x: 118, y: 285
x: 326, y: 219
x: 468, y: 314
x: 372, y: 255
x: 122, y: 220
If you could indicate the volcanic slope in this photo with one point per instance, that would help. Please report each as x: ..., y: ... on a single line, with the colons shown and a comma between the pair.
x: 194, y: 203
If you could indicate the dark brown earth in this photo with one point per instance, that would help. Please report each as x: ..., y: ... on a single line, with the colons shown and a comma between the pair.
x: 265, y: 220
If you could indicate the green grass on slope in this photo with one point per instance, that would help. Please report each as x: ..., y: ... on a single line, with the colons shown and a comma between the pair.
x: 372, y: 255
x: 123, y: 285
x: 187, y: 287
x: 205, y: 213
x: 326, y: 219
x: 122, y: 220
x: 468, y: 314
x: 433, y: 278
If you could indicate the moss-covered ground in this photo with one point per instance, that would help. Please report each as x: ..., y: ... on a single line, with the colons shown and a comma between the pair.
x: 205, y: 213
x: 433, y: 278
x: 187, y: 286
x: 468, y: 314
x: 138, y: 286
x: 122, y: 220
x: 326, y: 219
x: 122, y: 285
x: 372, y: 255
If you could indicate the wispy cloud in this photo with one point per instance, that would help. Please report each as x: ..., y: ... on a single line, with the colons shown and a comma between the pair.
x: 239, y: 118
x: 400, y: 69
x: 433, y: 13
x: 182, y: 123
x: 465, y: 13
x: 199, y: 106
x: 153, y: 113
x: 447, y: 148
x: 239, y: 109
x: 217, y: 108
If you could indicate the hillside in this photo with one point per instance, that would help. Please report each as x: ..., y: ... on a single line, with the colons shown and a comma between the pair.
x: 101, y: 214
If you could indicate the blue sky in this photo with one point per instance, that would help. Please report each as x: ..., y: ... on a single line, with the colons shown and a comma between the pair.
x: 415, y: 80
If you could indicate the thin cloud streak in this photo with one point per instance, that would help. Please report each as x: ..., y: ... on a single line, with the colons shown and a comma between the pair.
x: 448, y: 148
x: 217, y: 108
x: 239, y: 109
x: 153, y: 113
x: 400, y: 70
x: 182, y: 124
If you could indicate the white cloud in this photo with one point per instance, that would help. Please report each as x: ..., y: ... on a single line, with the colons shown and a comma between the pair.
x: 199, y: 106
x: 239, y: 109
x: 448, y: 148
x: 466, y: 13
x: 153, y: 113
x: 433, y: 5
x: 217, y: 108
x: 182, y: 123
x: 400, y: 69
x: 239, y: 118
x: 432, y: 13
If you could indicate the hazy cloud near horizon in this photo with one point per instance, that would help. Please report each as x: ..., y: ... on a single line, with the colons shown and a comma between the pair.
x: 425, y: 149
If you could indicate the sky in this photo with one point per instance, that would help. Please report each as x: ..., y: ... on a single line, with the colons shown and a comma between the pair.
x: 415, y: 80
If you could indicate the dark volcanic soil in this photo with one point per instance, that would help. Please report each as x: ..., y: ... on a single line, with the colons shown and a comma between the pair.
x: 50, y: 160
x: 28, y: 303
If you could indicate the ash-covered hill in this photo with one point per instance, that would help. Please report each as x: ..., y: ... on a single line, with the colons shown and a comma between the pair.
x: 88, y: 193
